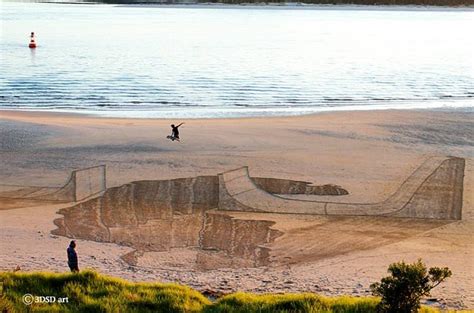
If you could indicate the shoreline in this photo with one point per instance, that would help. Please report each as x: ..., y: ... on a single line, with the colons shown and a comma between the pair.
x: 125, y: 114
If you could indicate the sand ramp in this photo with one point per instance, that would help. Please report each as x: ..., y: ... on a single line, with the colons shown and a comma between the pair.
x: 433, y: 190
x: 81, y: 184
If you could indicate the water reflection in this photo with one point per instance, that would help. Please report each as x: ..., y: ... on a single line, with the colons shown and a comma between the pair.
x: 33, y: 56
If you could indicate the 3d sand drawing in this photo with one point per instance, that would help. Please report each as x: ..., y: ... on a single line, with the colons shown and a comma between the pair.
x: 434, y: 190
x: 227, y: 219
x: 82, y: 184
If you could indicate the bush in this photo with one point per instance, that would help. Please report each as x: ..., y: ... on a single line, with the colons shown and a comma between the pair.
x: 401, y: 292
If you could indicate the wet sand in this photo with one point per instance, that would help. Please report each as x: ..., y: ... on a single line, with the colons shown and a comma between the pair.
x: 367, y: 153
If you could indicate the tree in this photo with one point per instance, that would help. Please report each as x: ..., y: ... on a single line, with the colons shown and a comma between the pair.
x: 401, y: 292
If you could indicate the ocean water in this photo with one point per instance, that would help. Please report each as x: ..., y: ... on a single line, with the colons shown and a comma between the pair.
x: 206, y: 61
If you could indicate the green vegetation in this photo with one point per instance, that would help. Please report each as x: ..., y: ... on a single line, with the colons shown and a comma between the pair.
x: 306, y: 302
x: 401, y: 292
x: 88, y: 291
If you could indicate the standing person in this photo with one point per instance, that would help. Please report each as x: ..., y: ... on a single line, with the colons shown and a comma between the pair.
x: 175, y: 131
x: 72, y: 257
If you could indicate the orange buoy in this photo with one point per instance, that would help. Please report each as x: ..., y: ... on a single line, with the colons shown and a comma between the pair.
x: 32, y: 44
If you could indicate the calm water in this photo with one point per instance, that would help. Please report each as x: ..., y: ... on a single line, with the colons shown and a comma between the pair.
x: 209, y: 62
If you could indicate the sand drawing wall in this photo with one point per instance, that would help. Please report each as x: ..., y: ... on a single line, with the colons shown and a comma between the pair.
x: 88, y: 181
x: 166, y: 214
x: 82, y: 184
x: 196, y: 213
x: 153, y: 215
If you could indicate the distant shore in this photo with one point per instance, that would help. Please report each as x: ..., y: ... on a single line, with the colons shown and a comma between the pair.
x: 383, y: 5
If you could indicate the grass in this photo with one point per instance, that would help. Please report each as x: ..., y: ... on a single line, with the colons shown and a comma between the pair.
x: 89, y: 291
x: 306, y: 302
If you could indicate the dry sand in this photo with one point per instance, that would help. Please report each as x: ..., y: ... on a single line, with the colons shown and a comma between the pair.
x: 367, y: 153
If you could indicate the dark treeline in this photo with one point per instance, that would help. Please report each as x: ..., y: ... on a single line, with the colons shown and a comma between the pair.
x: 359, y: 2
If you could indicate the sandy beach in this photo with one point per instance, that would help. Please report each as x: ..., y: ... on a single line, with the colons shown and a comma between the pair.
x: 367, y: 153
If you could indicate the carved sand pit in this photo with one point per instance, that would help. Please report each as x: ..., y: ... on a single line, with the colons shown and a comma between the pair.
x: 180, y: 213
x: 229, y: 220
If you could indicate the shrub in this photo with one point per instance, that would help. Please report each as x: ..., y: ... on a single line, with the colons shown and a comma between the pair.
x: 401, y: 292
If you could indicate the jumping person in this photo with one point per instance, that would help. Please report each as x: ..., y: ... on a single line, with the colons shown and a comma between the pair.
x: 72, y: 257
x: 175, y: 131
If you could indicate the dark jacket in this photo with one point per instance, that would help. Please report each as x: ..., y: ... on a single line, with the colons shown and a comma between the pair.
x: 175, y: 132
x: 71, y: 257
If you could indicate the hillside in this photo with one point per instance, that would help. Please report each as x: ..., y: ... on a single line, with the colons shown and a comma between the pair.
x: 89, y: 291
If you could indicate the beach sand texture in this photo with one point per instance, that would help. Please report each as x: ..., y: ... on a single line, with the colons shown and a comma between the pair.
x: 369, y: 154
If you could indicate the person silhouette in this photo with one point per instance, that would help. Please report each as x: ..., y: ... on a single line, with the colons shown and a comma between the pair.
x: 175, y: 131
x: 72, y: 257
